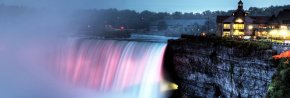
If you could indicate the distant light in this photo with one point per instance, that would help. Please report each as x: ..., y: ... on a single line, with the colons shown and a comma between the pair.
x: 283, y: 27
x: 274, y: 33
x: 203, y: 34
x: 284, y: 33
x: 239, y: 20
x: 173, y: 86
x: 250, y: 27
x: 280, y: 33
x: 247, y: 37
x: 166, y: 86
x: 122, y: 28
x: 286, y: 41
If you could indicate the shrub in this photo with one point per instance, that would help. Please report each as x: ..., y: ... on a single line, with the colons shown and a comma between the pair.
x: 280, y: 85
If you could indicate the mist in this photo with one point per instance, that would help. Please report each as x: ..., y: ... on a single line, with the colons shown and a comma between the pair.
x: 29, y: 41
x: 33, y: 41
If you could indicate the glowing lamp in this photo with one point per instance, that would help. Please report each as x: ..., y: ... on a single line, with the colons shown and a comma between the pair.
x: 165, y: 86
x: 283, y: 32
x: 203, y: 34
x: 173, y: 86
x: 283, y: 27
x: 239, y: 20
x: 122, y: 28
x: 274, y: 33
x: 250, y: 27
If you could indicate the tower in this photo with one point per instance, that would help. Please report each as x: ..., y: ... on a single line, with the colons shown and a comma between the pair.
x: 240, y: 11
x: 240, y: 5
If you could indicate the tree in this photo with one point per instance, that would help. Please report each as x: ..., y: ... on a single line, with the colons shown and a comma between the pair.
x: 162, y: 15
x: 162, y: 25
x: 177, y: 15
x: 188, y: 15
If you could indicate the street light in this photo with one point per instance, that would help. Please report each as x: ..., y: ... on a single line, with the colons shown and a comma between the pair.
x: 203, y: 34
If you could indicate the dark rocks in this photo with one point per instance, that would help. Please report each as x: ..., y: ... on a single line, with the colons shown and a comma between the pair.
x: 209, y: 70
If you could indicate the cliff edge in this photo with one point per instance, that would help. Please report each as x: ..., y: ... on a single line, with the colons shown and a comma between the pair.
x: 216, y: 67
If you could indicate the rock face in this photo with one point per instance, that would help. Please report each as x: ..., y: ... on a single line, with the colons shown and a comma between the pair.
x: 209, y: 70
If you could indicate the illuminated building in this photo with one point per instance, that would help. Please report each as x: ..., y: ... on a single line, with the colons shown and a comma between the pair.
x: 241, y: 24
x: 236, y: 24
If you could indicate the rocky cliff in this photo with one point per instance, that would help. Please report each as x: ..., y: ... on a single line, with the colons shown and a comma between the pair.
x: 210, y: 68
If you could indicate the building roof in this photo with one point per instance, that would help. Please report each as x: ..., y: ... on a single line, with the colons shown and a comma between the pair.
x: 240, y: 13
x: 229, y: 19
x: 220, y: 19
x: 248, y: 19
x: 261, y: 19
x: 282, y: 17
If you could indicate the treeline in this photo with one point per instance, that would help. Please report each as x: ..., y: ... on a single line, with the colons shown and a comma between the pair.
x: 131, y: 19
x: 141, y: 20
x: 266, y: 11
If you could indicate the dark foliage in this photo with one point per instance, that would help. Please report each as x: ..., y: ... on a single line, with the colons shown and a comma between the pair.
x: 280, y: 85
x: 131, y: 19
x: 141, y: 20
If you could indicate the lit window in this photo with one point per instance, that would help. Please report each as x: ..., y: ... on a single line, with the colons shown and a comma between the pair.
x: 274, y: 33
x: 259, y: 33
x: 226, y: 33
x: 264, y: 33
x: 239, y: 26
x: 227, y: 26
x: 237, y: 32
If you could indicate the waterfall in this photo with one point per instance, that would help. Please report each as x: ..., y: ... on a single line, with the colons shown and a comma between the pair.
x: 112, y: 69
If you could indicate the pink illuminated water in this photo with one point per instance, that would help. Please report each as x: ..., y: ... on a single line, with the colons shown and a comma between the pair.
x: 112, y: 69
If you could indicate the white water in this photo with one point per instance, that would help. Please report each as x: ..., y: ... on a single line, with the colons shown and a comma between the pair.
x: 81, y: 68
x: 129, y: 69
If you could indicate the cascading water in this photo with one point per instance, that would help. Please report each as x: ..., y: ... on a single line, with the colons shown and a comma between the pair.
x: 113, y: 69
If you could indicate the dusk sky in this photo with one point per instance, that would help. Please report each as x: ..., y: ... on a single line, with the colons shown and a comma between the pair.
x: 152, y: 5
